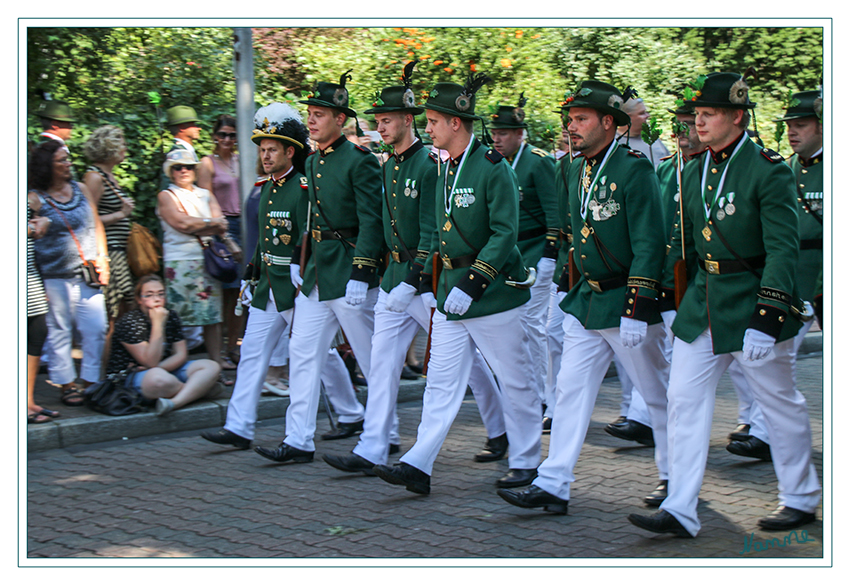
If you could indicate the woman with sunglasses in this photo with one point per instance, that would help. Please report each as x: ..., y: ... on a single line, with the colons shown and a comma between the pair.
x: 150, y: 341
x: 219, y: 174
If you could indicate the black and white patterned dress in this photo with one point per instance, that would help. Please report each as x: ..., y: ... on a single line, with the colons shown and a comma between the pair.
x: 121, y: 283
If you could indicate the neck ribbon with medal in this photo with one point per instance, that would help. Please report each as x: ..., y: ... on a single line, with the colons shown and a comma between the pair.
x: 449, y: 195
x: 280, y: 219
x: 724, y: 207
x: 586, y: 191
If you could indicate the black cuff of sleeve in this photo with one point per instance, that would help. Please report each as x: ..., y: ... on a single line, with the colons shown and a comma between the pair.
x: 550, y: 250
x: 768, y: 319
x: 667, y: 300
x: 251, y: 272
x: 426, y: 281
x: 564, y: 281
x: 364, y: 269
x: 640, y: 307
x: 817, y: 302
x: 412, y: 277
x: 296, y: 256
x: 474, y: 284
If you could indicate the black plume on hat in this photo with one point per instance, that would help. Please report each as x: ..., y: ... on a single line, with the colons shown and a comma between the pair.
x: 407, y: 75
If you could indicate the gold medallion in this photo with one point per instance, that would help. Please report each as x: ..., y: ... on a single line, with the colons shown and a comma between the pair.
x: 447, y: 226
x: 706, y: 233
x: 585, y: 231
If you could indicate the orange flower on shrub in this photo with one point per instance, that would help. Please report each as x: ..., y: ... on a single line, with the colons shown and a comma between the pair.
x: 448, y: 69
x: 505, y: 62
x: 438, y: 62
x: 518, y: 34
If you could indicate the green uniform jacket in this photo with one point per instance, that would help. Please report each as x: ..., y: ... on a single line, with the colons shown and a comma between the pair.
x: 409, y: 189
x: 282, y: 216
x: 764, y: 224
x: 565, y: 228
x: 669, y: 183
x: 344, y: 191
x: 538, y: 204
x: 481, y: 227
x: 624, y: 212
x: 809, y: 180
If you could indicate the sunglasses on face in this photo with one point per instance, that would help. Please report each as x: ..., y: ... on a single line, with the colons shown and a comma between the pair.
x: 179, y: 168
x: 223, y: 135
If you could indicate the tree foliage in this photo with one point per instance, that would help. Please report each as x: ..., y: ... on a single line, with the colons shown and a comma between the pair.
x: 129, y: 76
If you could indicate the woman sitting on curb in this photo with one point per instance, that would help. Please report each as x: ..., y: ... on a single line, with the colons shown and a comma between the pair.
x: 150, y: 338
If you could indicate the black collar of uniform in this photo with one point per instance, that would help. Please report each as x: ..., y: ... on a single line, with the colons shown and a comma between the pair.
x: 724, y: 154
x: 597, y: 158
x: 411, y: 150
x: 334, y: 145
x: 807, y: 162
x: 285, y: 177
x: 453, y: 162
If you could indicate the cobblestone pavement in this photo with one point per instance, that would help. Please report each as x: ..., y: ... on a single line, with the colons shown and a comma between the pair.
x: 177, y: 495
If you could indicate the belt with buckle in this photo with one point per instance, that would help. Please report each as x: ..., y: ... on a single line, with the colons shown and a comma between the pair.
x: 397, y: 257
x: 532, y: 233
x: 272, y: 260
x: 459, y: 262
x: 731, y: 266
x: 608, y: 284
x: 342, y: 234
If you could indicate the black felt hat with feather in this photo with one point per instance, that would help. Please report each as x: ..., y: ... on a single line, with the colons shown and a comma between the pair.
x: 331, y: 95
x: 397, y: 98
x: 457, y: 100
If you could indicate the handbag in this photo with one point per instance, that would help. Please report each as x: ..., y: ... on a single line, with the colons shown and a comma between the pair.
x: 112, y: 397
x: 90, y: 272
x: 143, y: 251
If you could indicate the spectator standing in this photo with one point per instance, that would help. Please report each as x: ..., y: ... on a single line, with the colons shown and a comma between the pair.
x: 74, y: 234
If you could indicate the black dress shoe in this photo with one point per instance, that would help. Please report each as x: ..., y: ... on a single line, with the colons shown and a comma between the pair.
x: 654, y: 499
x: 351, y: 463
x: 751, y: 447
x: 408, y: 374
x: 495, y: 449
x: 415, y: 368
x: 660, y: 522
x: 516, y: 478
x: 414, y: 480
x: 534, y: 497
x: 741, y: 433
x: 785, y: 518
x: 343, y: 431
x: 631, y: 431
x: 620, y: 420
x: 394, y: 449
x: 547, y: 425
x: 225, y: 437
x: 284, y: 453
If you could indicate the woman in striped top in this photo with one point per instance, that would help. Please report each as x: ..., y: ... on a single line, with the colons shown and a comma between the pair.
x: 105, y: 149
x: 36, y: 318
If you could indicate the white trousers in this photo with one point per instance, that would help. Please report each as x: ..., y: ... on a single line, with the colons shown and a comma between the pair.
x: 694, y: 375
x: 536, y: 319
x: 314, y: 326
x: 73, y: 305
x: 587, y: 355
x: 262, y: 334
x: 394, y: 332
x: 755, y: 417
x: 503, y: 342
x: 555, y: 345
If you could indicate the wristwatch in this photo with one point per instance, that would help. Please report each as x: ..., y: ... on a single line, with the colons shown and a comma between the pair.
x: 206, y: 220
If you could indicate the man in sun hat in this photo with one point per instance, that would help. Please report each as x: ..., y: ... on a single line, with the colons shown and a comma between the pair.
x: 57, y: 121
x: 538, y: 223
x: 405, y: 299
x: 618, y: 236
x: 340, y: 279
x: 740, y: 227
x: 481, y: 292
x: 282, y: 139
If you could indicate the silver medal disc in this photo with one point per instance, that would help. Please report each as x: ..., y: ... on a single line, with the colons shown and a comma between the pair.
x: 414, y: 193
x: 730, y: 209
x: 275, y: 241
x: 407, y: 191
x: 470, y: 199
x: 720, y: 214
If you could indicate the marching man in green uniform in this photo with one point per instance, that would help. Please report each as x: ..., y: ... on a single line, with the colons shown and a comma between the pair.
x: 340, y: 280
x: 618, y: 236
x: 740, y: 227
x: 538, y: 224
x: 410, y: 176
x: 805, y: 134
x: 480, y: 294
x: 282, y: 139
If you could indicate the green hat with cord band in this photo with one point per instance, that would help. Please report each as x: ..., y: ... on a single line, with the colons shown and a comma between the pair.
x: 804, y: 104
x: 55, y: 110
x: 397, y: 98
x: 180, y: 115
x: 510, y: 116
x: 602, y: 97
x: 331, y: 95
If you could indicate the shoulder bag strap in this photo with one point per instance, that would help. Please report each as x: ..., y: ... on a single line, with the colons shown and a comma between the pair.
x: 67, y: 225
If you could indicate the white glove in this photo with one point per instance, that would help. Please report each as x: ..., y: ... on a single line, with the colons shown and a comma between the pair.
x: 457, y: 302
x: 562, y: 294
x: 355, y: 292
x: 246, y: 296
x: 428, y: 300
x: 400, y: 297
x: 668, y: 317
x: 545, y: 269
x: 757, y: 345
x: 295, y: 275
x: 632, y: 332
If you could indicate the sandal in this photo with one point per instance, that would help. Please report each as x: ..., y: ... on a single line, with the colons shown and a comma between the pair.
x: 72, y: 397
x: 33, y: 419
x: 50, y: 413
x: 227, y: 363
x: 225, y: 381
